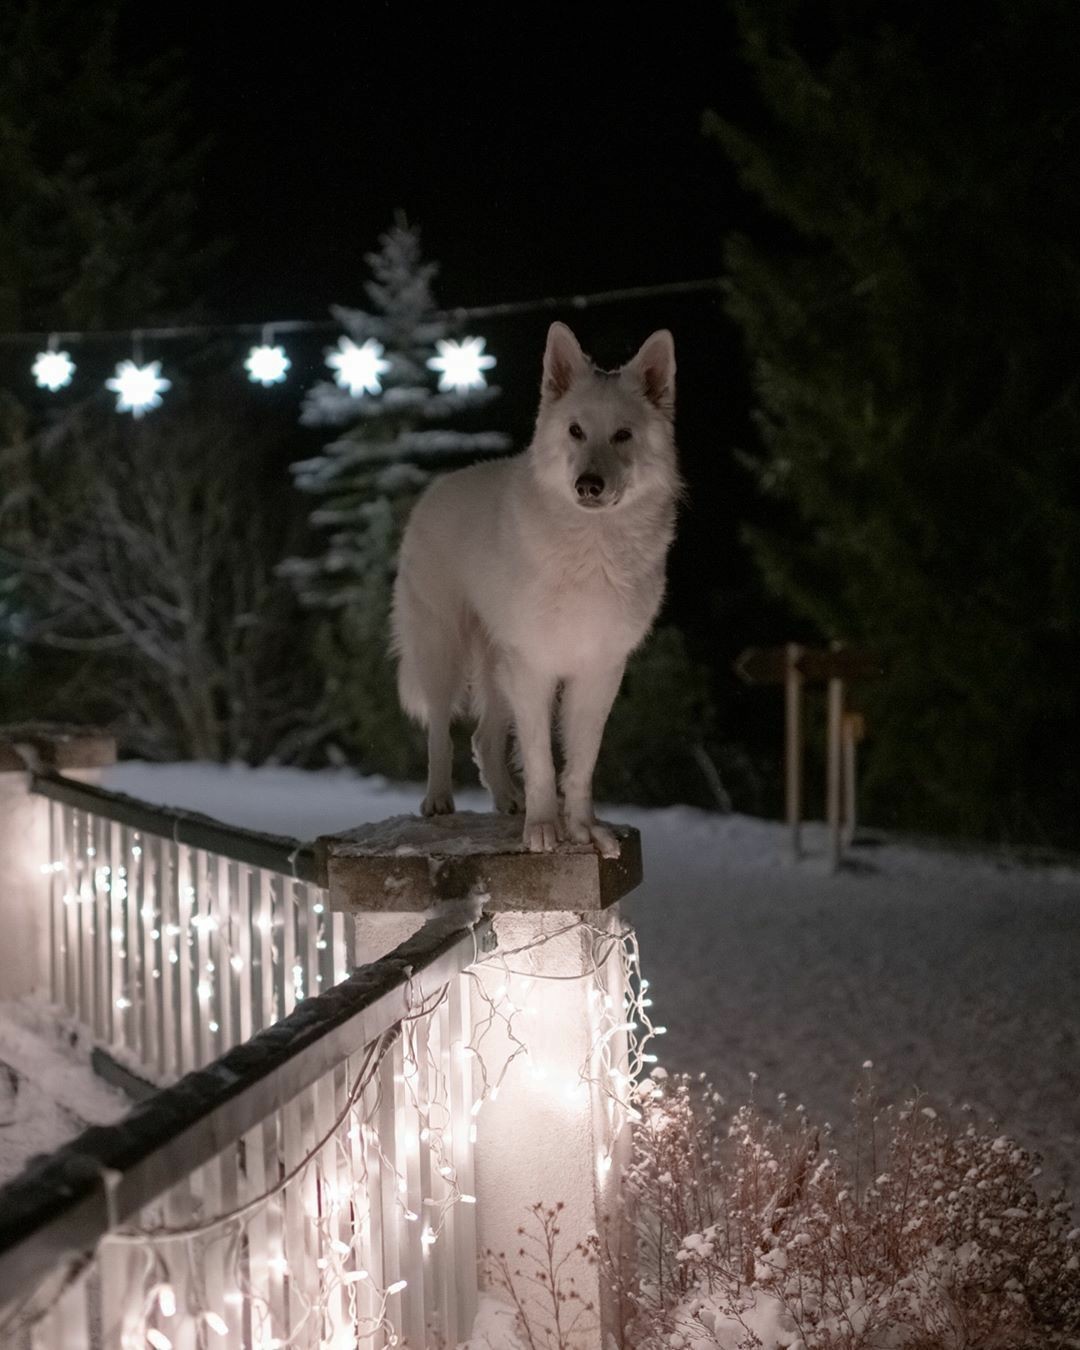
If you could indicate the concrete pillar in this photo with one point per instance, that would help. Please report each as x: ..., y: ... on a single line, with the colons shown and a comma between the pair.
x: 549, y: 998
x: 77, y: 752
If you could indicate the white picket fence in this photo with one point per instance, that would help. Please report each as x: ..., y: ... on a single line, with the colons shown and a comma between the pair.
x: 170, y: 954
x: 309, y: 1183
x: 309, y: 1172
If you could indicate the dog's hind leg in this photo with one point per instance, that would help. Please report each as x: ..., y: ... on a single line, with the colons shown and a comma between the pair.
x: 439, y: 798
x: 491, y: 737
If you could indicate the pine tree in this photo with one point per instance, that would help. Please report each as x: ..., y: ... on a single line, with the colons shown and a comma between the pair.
x: 97, y: 168
x: 912, y: 311
x: 97, y: 208
x: 369, y: 477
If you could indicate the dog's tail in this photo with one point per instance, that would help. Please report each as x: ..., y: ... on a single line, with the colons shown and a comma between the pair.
x: 432, y: 654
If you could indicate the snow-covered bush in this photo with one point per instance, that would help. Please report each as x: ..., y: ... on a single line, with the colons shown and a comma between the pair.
x: 753, y: 1231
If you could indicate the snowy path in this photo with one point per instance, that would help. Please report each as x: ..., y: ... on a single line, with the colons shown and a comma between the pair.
x: 953, y: 973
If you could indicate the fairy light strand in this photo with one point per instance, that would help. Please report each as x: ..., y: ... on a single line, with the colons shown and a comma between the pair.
x: 617, y: 1056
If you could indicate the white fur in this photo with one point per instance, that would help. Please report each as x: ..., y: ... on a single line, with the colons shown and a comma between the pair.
x: 510, y: 590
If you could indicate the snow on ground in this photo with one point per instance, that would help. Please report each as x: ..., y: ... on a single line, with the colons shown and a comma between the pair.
x: 48, y: 1091
x: 956, y: 973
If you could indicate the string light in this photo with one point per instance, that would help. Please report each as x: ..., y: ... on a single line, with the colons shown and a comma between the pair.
x: 138, y: 388
x: 267, y: 364
x: 52, y: 369
x: 507, y: 983
x: 358, y: 369
x: 461, y: 365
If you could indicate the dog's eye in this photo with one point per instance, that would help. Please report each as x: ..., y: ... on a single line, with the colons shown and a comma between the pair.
x: 623, y: 434
x: 576, y: 432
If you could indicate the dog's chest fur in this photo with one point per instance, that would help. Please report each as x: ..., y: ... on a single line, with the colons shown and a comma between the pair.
x: 588, y: 591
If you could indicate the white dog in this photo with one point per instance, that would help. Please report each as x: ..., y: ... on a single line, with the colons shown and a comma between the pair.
x: 541, y: 573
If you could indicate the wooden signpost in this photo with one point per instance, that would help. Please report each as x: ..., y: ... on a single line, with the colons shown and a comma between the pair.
x: 793, y: 665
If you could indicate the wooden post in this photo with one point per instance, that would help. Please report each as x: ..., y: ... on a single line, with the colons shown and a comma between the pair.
x: 854, y: 731
x: 545, y: 1136
x: 834, y: 768
x: 793, y: 749
x: 794, y: 666
x: 25, y: 843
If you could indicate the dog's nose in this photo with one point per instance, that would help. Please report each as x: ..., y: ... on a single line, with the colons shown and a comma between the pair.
x: 589, y: 486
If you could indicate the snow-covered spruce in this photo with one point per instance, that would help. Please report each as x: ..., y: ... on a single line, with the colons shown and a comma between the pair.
x: 396, y: 433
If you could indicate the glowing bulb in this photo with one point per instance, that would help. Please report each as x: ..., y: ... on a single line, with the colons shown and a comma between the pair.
x: 123, y: 1003
x: 467, y: 1199
x: 166, y: 1300
x: 138, y: 388
x: 604, y: 1165
x: 237, y: 963
x: 203, y: 989
x: 461, y: 365
x: 267, y: 365
x: 357, y: 369
x: 158, y: 1339
x: 52, y: 370
x: 397, y: 1287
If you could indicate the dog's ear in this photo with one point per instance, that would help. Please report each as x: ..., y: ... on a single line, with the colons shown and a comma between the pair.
x: 564, y: 361
x: 654, y: 367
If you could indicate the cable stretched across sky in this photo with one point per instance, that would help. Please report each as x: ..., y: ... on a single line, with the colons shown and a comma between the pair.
x: 460, y: 313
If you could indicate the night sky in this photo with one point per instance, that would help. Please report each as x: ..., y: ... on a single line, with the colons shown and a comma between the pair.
x: 542, y: 156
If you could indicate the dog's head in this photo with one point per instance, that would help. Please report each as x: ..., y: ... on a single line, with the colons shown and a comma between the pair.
x: 606, y: 438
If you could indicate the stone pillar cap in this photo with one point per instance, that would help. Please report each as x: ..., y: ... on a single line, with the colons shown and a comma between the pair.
x: 55, y: 745
x: 409, y: 863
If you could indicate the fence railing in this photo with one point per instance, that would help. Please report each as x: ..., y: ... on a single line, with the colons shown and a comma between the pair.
x: 312, y: 1187
x: 334, y: 1149
x: 173, y: 937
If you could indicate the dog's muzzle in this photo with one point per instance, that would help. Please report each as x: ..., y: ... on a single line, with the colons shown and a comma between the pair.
x: 590, y: 489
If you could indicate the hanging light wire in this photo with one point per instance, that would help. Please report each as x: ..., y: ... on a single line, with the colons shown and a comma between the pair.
x: 459, y: 314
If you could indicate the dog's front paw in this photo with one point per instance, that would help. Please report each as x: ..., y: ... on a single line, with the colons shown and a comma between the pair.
x: 541, y: 835
x: 437, y: 804
x: 589, y: 832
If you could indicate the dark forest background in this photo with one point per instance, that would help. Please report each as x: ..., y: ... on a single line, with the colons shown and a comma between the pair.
x: 879, y: 411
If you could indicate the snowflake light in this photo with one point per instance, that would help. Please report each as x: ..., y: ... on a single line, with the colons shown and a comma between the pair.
x: 138, y: 387
x: 357, y: 369
x: 52, y: 370
x: 461, y: 365
x: 267, y: 365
